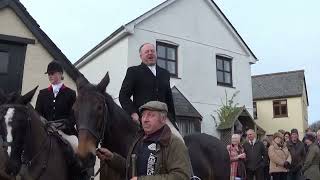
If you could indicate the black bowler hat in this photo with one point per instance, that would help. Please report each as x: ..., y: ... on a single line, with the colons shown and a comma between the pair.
x: 54, y: 66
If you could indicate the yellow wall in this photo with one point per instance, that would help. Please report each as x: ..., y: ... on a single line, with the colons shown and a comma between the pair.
x: 295, y: 117
x: 37, y: 57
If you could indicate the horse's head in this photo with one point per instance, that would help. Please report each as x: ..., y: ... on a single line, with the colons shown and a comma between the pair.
x: 13, y: 120
x: 90, y: 110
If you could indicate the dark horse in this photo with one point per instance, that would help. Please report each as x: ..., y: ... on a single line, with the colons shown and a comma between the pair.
x: 100, y: 119
x: 3, y: 146
x: 32, y: 142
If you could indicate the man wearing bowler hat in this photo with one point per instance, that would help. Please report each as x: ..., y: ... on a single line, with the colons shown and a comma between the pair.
x: 55, y: 102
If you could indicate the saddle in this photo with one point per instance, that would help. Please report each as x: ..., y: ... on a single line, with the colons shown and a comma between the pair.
x: 57, y: 128
x: 69, y: 145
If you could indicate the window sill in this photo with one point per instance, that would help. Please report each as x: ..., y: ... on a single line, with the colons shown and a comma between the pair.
x: 278, y: 117
x: 226, y: 85
x: 175, y: 77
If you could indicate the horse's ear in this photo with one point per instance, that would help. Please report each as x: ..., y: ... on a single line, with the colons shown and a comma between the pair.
x: 25, y: 99
x: 104, y: 83
x: 81, y: 81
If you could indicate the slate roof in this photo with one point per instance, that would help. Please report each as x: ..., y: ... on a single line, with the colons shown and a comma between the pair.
x: 278, y: 85
x: 182, y: 105
x: 40, y: 35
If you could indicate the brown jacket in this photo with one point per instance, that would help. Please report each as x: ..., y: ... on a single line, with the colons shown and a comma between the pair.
x: 172, y: 164
x: 278, y: 156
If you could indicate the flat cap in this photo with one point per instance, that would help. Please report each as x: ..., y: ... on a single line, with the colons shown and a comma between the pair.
x: 154, y: 106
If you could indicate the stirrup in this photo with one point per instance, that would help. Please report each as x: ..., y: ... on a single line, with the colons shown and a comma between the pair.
x: 195, y: 178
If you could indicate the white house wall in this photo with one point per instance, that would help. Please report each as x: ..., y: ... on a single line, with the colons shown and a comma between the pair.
x: 197, y: 75
x: 200, y: 34
x: 195, y: 20
x: 112, y: 60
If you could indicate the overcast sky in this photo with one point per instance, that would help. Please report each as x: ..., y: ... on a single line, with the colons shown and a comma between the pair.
x: 284, y: 35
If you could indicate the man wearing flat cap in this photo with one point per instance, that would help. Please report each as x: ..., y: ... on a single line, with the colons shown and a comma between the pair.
x: 158, y: 153
x: 56, y: 101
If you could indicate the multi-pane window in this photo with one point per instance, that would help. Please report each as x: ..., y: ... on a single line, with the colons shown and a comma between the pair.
x: 280, y: 108
x: 186, y: 126
x: 224, y: 70
x: 4, y: 61
x: 255, y: 113
x: 168, y: 57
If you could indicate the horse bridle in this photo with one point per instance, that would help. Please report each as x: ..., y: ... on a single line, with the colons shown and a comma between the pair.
x: 50, y: 133
x: 99, y: 135
x: 7, y: 106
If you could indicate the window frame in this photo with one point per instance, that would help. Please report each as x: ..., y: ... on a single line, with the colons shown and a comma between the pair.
x: 279, y: 106
x: 166, y: 59
x: 255, y: 110
x: 188, y: 126
x: 223, y: 59
x: 8, y: 61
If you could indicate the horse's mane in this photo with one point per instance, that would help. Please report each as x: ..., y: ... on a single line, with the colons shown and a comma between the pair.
x: 118, y: 116
x: 119, y: 126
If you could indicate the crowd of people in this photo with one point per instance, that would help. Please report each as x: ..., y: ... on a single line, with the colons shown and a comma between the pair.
x: 280, y: 157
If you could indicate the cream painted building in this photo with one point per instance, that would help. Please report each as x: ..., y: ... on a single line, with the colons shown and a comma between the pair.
x: 280, y: 101
x: 25, y: 51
